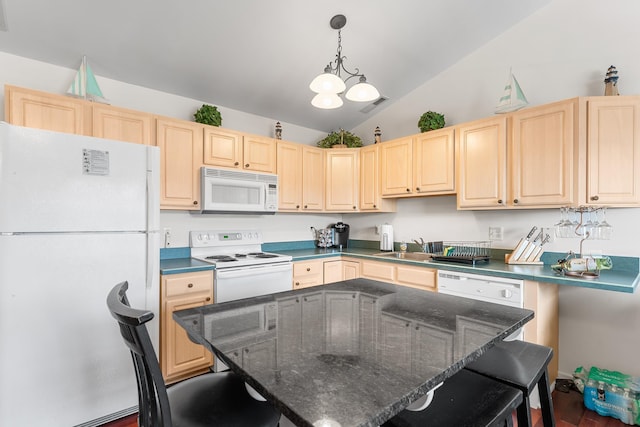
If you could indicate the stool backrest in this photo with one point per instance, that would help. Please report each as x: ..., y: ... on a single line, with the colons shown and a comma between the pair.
x: 153, y: 402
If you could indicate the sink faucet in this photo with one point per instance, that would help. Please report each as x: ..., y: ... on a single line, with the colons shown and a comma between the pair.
x: 422, y: 244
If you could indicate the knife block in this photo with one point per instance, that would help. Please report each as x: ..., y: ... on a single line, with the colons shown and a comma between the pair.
x: 508, y: 259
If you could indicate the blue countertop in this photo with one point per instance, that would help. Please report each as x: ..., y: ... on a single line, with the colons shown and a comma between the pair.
x: 623, y: 277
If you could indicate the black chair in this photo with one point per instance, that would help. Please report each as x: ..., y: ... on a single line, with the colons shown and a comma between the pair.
x: 465, y: 400
x: 216, y: 399
x: 521, y: 365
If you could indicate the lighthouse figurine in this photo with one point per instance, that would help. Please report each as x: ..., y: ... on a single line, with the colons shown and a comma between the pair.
x: 611, y: 82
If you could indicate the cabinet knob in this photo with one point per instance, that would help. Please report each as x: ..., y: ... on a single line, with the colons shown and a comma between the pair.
x: 308, y: 268
x: 499, y: 201
x: 417, y: 188
x: 375, y: 207
x: 595, y: 198
x: 305, y: 206
x: 297, y: 206
x: 195, y: 202
x: 408, y: 190
x: 236, y: 164
x: 355, y: 207
x: 208, y: 299
x: 190, y: 285
x: 247, y: 165
x: 297, y: 283
x: 515, y: 201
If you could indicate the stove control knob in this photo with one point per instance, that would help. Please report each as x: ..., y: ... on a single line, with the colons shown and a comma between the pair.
x: 239, y: 236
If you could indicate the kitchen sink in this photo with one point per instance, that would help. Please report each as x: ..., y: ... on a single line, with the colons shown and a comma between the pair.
x: 410, y: 256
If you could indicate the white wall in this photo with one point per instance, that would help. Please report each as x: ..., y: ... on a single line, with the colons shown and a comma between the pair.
x: 562, y: 51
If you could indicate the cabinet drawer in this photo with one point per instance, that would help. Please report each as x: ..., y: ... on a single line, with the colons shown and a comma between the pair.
x: 308, y: 268
x: 378, y: 270
x: 423, y: 278
x: 180, y: 284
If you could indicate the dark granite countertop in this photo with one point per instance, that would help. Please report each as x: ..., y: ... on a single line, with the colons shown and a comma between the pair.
x: 355, y: 352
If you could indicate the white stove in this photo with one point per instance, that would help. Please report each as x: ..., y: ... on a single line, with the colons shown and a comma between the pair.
x: 231, y: 249
x: 242, y: 270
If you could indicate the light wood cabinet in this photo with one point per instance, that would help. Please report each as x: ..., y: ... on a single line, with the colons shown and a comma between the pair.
x: 300, y: 172
x: 289, y: 170
x: 181, y: 358
x: 121, y: 124
x: 41, y: 110
x: 180, y: 145
x: 434, y: 162
x: 419, y: 165
x: 231, y: 149
x: 613, y: 150
x: 313, y: 178
x: 481, y: 151
x: 342, y: 172
x: 371, y: 183
x: 338, y: 270
x: 543, y: 154
x: 543, y: 299
x: 222, y: 147
x: 400, y: 274
x: 395, y: 166
x: 308, y: 273
x: 530, y: 164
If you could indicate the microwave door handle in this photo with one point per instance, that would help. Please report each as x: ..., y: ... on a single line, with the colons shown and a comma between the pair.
x: 250, y: 271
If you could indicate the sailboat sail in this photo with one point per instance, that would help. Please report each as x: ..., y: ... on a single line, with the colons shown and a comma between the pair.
x: 513, y: 98
x: 84, y: 85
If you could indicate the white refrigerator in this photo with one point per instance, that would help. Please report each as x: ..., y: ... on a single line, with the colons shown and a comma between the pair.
x: 77, y: 216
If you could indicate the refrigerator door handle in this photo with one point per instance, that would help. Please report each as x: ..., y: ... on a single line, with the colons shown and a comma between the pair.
x: 153, y: 190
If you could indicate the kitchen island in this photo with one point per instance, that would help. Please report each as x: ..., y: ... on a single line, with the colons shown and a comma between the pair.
x: 354, y: 353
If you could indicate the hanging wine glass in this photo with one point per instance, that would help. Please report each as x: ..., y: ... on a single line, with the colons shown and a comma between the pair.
x: 588, y: 225
x: 604, y: 229
x: 561, y: 225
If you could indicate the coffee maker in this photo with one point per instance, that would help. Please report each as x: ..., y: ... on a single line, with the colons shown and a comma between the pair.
x: 341, y: 235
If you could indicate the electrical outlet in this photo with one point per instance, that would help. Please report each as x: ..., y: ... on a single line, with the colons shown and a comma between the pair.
x: 496, y: 233
x: 377, y: 227
x: 167, y: 237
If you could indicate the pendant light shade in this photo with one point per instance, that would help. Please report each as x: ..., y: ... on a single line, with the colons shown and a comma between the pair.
x: 327, y: 101
x: 329, y: 85
x: 327, y: 82
x: 362, y: 92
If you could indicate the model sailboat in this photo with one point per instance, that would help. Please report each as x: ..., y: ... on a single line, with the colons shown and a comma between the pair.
x: 84, y: 85
x: 513, y: 98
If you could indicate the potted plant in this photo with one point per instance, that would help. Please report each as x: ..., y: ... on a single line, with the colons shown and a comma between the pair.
x: 430, y: 121
x: 208, y: 115
x: 340, y: 138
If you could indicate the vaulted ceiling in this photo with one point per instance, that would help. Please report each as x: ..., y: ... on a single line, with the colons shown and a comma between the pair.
x: 258, y: 56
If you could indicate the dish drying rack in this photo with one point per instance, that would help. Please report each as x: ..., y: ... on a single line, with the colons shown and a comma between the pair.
x: 464, y: 252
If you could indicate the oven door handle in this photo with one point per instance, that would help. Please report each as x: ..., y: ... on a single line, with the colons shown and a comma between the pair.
x: 228, y: 273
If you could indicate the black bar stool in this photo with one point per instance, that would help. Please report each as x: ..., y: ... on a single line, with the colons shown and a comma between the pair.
x: 465, y: 400
x: 522, y: 365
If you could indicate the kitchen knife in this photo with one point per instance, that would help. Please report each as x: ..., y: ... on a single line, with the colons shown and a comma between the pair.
x: 535, y: 255
x: 532, y: 246
x: 522, y: 245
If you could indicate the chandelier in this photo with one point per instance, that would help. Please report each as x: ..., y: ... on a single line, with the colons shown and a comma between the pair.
x: 329, y: 85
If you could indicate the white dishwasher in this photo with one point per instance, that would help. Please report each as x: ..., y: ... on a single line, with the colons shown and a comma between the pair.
x: 498, y: 290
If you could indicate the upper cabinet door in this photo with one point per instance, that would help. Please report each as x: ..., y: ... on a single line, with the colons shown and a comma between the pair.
x: 613, y: 147
x: 121, y: 125
x: 396, y: 166
x: 542, y: 149
x: 341, y: 190
x: 433, y: 162
x: 180, y: 145
x: 222, y: 147
x: 259, y: 154
x: 482, y: 165
x: 289, y: 168
x: 30, y: 108
x: 312, y: 178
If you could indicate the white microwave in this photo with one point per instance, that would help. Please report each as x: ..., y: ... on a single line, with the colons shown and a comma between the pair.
x: 232, y: 191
